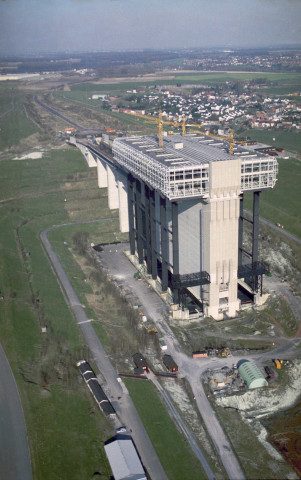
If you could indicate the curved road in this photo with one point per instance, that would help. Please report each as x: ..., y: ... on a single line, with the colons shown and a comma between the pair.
x: 116, y: 392
x: 15, y: 461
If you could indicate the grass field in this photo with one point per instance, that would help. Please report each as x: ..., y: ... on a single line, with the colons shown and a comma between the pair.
x: 126, y: 122
x: 177, y: 460
x: 290, y: 141
x: 282, y: 204
x: 288, y: 78
x: 61, y: 412
x: 285, y: 91
x: 207, y: 78
x: 13, y: 121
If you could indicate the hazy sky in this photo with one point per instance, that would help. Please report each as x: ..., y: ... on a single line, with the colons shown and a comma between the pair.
x: 84, y: 25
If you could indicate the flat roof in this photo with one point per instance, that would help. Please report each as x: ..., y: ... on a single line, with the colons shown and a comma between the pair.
x: 124, y: 460
x: 188, y: 150
x: 85, y: 367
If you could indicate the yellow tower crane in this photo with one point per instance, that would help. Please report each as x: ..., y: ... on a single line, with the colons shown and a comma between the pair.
x: 184, y: 126
x: 229, y: 139
x: 161, y: 122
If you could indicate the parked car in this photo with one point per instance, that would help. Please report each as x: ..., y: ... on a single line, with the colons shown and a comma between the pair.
x: 121, y: 430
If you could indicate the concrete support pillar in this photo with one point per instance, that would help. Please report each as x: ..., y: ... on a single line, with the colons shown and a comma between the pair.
x: 102, y: 175
x: 91, y: 159
x: 123, y: 203
x: 255, y: 226
x: 113, y: 191
x: 131, y: 213
x: 148, y: 230
x: 220, y: 229
x: 175, y: 246
x: 152, y: 211
x: 164, y: 244
x: 240, y: 229
x: 255, y: 235
x: 139, y: 225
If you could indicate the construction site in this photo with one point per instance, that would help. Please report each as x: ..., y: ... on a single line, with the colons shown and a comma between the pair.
x: 180, y: 197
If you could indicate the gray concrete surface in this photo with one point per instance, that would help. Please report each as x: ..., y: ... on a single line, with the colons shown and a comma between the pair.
x: 118, y: 396
x: 15, y: 463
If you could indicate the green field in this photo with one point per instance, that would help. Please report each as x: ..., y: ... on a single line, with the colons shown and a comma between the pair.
x: 13, y: 123
x: 282, y: 204
x: 284, y: 91
x: 173, y: 451
x: 288, y: 78
x: 207, y: 78
x: 124, y: 121
x: 290, y: 141
x: 58, y: 410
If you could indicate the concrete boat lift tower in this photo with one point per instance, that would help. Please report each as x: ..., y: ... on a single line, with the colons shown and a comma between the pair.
x: 182, y: 205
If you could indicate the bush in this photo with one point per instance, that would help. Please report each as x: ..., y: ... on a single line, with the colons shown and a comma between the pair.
x: 81, y: 242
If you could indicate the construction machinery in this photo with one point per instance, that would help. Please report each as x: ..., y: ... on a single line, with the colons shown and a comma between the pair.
x: 138, y: 274
x: 184, y: 127
x: 160, y: 122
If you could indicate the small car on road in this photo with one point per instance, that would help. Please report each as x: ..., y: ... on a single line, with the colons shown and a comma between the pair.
x: 121, y: 430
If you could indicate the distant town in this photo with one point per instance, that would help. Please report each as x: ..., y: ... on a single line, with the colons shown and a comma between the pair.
x: 236, y: 103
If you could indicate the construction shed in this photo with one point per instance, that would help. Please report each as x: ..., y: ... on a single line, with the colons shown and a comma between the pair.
x: 85, y: 369
x: 124, y: 461
x: 169, y: 363
x: 92, y: 383
x: 251, y: 374
x: 200, y: 354
x: 139, y: 361
x: 100, y: 398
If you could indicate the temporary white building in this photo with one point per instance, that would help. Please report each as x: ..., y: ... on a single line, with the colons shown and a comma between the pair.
x: 124, y: 460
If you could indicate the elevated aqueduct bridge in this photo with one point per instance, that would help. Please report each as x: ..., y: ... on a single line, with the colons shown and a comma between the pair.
x: 182, y: 205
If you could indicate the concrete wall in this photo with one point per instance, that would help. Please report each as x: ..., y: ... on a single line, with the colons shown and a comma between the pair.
x: 102, y: 176
x: 113, y: 190
x: 123, y: 203
x: 220, y: 237
x: 190, y: 236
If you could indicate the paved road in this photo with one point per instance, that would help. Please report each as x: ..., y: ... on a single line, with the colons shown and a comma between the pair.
x: 277, y: 229
x: 153, y: 307
x: 57, y: 114
x: 116, y: 392
x: 15, y: 461
x: 83, y: 130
